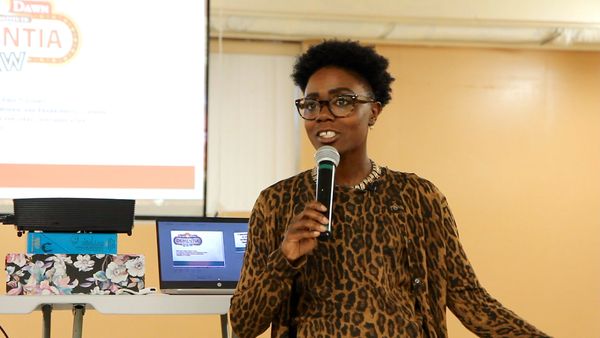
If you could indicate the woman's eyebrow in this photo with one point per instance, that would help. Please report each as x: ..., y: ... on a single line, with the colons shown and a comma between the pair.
x: 332, y: 91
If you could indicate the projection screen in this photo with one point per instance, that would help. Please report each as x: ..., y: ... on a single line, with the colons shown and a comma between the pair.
x: 104, y: 99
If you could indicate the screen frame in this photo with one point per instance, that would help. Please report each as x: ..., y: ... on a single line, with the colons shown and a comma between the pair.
x: 199, y: 285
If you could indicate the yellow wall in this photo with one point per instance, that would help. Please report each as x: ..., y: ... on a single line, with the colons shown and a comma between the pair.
x: 513, y: 140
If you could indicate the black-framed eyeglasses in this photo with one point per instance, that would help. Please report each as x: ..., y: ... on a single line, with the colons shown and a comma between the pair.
x: 339, y: 106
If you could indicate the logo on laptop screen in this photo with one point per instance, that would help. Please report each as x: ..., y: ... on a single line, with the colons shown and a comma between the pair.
x: 187, y: 239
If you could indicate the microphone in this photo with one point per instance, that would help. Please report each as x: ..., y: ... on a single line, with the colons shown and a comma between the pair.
x: 327, y: 158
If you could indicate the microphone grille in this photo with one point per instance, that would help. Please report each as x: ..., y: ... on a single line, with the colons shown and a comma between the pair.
x: 327, y: 153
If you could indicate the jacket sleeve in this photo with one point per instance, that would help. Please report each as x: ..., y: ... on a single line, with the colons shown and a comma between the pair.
x: 468, y: 300
x: 266, y: 277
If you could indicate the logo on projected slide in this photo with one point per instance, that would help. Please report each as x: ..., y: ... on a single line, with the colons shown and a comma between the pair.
x: 187, y: 240
x: 30, y: 31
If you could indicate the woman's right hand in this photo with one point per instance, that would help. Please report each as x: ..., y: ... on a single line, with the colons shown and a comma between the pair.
x: 301, y: 235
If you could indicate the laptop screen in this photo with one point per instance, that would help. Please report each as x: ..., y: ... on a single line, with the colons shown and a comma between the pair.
x: 200, y: 254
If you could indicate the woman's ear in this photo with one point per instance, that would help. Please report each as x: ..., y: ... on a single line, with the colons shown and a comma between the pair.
x: 375, y: 111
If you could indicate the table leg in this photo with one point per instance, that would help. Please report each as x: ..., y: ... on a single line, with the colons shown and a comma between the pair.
x: 225, y: 327
x: 78, y: 312
x: 47, y: 314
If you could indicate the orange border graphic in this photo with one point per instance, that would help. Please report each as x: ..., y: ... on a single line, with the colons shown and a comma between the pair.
x: 96, y: 176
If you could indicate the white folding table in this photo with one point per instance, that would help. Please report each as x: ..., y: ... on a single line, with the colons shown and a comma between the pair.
x: 116, y: 304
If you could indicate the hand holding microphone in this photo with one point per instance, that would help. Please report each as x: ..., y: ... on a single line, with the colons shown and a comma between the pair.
x: 315, y: 220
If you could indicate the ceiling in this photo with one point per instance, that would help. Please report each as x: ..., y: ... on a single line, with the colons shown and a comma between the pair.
x: 556, y: 24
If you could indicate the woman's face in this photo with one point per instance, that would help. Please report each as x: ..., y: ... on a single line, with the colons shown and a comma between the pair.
x: 347, y: 134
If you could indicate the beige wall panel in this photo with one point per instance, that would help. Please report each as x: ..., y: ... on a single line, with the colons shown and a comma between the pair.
x: 513, y: 140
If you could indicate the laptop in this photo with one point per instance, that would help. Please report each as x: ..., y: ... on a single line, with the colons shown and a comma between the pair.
x: 200, y: 255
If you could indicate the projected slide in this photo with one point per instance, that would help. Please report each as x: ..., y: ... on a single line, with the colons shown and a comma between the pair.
x: 198, y: 249
x: 102, y: 98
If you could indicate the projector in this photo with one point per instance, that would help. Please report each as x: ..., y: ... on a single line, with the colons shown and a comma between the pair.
x: 73, y: 215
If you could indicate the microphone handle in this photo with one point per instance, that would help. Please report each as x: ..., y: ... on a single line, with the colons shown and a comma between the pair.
x: 325, y: 188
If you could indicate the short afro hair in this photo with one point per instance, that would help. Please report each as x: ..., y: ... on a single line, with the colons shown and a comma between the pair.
x: 349, y: 55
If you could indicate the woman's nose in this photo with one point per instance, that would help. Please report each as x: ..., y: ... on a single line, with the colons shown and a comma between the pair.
x: 325, y: 112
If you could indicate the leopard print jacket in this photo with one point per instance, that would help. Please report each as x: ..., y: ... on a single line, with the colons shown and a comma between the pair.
x: 395, y: 263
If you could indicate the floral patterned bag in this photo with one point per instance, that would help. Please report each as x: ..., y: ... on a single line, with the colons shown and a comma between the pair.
x: 61, y: 274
